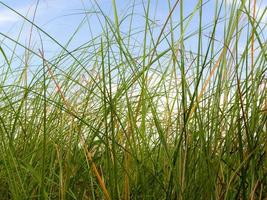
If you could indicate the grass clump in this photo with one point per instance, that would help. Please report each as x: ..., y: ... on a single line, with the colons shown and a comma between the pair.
x: 144, y: 109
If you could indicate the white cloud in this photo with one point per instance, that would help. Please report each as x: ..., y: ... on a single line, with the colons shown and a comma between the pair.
x: 7, y: 17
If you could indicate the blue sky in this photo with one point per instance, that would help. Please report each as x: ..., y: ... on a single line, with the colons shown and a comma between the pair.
x: 54, y: 16
x: 60, y: 18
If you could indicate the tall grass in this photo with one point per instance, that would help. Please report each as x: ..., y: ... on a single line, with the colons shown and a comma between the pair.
x: 136, y: 111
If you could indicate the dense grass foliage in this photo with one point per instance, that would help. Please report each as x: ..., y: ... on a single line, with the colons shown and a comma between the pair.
x: 145, y: 109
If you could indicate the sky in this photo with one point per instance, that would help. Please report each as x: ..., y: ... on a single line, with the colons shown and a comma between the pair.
x: 56, y: 17
x: 60, y: 18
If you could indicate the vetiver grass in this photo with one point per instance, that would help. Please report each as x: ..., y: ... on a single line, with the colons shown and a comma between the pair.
x: 134, y: 112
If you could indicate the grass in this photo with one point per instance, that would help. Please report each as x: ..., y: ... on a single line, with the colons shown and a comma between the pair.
x: 136, y: 112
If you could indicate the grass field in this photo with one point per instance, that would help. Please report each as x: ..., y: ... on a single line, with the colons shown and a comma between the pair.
x: 175, y: 109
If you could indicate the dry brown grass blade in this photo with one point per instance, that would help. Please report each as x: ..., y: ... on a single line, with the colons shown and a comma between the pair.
x: 207, y: 81
x: 254, y: 190
x: 97, y: 174
x: 61, y: 184
x: 126, y: 178
x: 127, y: 162
x: 87, y: 153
